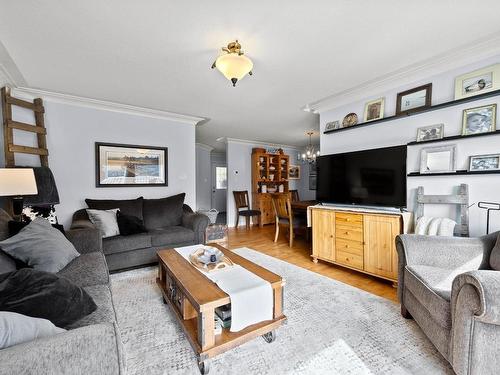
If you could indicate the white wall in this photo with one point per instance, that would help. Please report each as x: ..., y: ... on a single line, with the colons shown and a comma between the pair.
x: 239, y: 169
x: 71, y: 133
x: 203, y: 177
x: 402, y: 131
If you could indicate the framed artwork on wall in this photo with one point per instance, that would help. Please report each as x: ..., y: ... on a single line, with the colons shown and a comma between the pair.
x: 374, y: 110
x: 479, y: 120
x: 294, y: 172
x: 429, y: 133
x: 478, y: 82
x: 414, y: 100
x: 130, y: 165
x: 484, y: 163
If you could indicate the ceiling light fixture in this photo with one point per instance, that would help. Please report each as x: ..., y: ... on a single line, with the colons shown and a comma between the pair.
x: 310, y: 154
x: 233, y: 64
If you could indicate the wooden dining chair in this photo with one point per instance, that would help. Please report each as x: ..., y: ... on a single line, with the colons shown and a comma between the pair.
x: 284, y: 215
x: 295, y: 195
x: 242, y: 204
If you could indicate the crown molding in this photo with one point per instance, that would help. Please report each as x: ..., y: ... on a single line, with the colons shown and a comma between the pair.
x: 255, y: 143
x: 481, y: 49
x: 5, y: 78
x: 30, y: 93
x: 205, y: 147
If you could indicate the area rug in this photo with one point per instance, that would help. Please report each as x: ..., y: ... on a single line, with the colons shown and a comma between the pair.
x: 332, y: 328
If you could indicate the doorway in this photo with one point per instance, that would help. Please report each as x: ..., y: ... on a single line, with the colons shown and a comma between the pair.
x: 219, y: 188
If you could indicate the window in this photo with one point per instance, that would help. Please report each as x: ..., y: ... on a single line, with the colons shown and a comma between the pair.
x: 221, y: 177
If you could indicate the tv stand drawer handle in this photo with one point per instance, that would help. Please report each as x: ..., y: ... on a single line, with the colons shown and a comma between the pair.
x: 347, y: 233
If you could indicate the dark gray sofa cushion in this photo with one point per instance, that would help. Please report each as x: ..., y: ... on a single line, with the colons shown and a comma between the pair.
x: 7, y: 264
x: 119, y: 244
x: 164, y: 212
x: 105, y: 312
x: 171, y: 235
x: 495, y: 256
x: 127, y: 206
x: 44, y: 295
x: 4, y: 224
x: 86, y: 270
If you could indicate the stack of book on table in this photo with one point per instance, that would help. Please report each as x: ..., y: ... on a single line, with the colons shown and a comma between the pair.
x: 222, y: 318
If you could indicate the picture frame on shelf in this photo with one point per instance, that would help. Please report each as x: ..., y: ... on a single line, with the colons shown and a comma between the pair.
x: 374, y: 109
x: 294, y: 172
x: 438, y: 159
x: 332, y: 125
x: 477, y: 82
x: 123, y: 165
x: 430, y: 133
x: 414, y: 100
x: 489, y: 162
x: 479, y: 120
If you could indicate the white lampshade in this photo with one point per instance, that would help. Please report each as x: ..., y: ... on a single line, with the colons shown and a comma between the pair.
x: 234, y: 66
x: 17, y: 181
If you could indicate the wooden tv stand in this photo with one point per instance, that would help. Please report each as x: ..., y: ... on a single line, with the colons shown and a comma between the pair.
x: 363, y: 241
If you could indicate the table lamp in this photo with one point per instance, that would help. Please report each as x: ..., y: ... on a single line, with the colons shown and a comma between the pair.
x: 17, y: 182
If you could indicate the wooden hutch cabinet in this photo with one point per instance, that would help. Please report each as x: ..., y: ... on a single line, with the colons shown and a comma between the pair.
x: 269, y: 176
x: 363, y: 241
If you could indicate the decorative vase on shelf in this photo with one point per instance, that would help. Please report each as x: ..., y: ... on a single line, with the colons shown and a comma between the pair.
x: 263, y: 188
x: 281, y: 188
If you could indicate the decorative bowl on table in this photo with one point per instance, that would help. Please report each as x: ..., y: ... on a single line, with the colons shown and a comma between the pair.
x: 209, y: 258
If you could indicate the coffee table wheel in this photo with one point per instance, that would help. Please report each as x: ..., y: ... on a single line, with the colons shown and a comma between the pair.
x: 204, y: 367
x: 270, y: 336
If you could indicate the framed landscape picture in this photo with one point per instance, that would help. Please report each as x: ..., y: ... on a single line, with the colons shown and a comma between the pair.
x: 478, y: 82
x: 414, y: 100
x: 130, y: 165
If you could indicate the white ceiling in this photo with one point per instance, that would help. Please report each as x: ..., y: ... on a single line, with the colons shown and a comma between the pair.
x: 158, y: 53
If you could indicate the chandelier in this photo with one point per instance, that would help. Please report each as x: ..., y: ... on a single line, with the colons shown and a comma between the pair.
x: 310, y: 153
x: 233, y: 64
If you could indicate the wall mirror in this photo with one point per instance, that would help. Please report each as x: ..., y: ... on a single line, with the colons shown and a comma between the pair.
x: 438, y: 159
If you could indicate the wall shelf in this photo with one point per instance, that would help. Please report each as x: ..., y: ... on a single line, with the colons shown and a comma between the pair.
x: 452, y: 137
x: 436, y: 107
x: 457, y: 173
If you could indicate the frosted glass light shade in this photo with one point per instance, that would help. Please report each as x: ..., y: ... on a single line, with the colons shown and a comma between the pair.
x: 17, y: 181
x: 234, y: 66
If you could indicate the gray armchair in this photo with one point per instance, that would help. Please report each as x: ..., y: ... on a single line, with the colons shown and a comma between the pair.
x: 446, y: 285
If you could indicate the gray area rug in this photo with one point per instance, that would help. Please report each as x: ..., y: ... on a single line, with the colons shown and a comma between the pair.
x: 332, y: 328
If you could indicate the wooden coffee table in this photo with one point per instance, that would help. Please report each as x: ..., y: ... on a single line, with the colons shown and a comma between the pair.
x: 193, y: 299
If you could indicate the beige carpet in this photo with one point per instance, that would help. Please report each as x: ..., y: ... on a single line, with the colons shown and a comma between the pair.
x: 332, y: 328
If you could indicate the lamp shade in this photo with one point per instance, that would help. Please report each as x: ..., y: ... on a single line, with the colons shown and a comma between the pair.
x: 17, y: 182
x: 234, y: 66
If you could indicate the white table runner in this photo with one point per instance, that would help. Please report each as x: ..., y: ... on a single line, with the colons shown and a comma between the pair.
x: 251, y: 296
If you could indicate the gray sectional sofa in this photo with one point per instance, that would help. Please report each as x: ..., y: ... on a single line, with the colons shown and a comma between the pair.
x: 92, y: 345
x: 448, y: 286
x: 169, y: 223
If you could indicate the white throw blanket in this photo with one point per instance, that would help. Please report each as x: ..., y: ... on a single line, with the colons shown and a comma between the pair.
x: 251, y: 296
x: 435, y: 226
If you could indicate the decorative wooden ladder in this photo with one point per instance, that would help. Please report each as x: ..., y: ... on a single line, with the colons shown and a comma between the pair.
x: 9, y: 125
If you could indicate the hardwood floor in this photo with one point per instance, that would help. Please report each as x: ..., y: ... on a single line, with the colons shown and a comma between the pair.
x: 261, y: 239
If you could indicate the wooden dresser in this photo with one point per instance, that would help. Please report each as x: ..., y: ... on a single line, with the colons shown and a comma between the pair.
x: 363, y: 241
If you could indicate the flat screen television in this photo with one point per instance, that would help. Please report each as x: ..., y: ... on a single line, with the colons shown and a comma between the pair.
x: 365, y: 178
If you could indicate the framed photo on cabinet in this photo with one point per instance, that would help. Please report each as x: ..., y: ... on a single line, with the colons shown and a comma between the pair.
x: 478, y: 82
x: 414, y: 100
x: 374, y: 110
x: 479, y: 119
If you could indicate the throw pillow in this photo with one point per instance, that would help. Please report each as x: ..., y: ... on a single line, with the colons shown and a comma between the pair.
x: 105, y: 221
x: 495, y: 256
x: 16, y: 226
x: 7, y: 264
x: 17, y: 328
x: 126, y: 206
x: 164, y: 212
x: 44, y: 295
x: 40, y: 246
x: 129, y: 224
